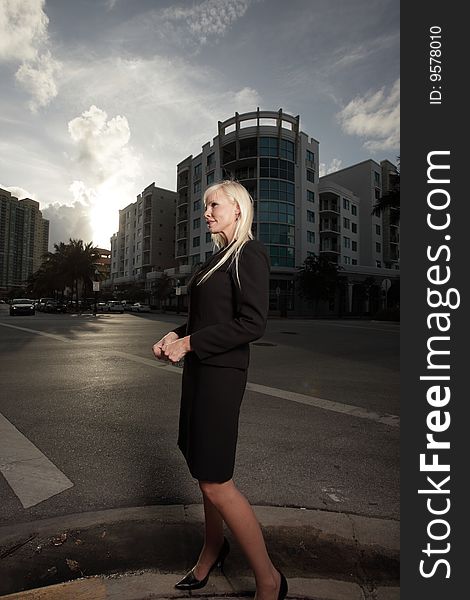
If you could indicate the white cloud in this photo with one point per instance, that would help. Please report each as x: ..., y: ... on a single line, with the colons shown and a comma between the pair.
x: 375, y: 117
x: 102, y: 145
x: 24, y: 38
x: 107, y: 167
x: 210, y: 18
x: 38, y: 78
x: 68, y: 221
x: 23, y: 29
x: 335, y: 165
x: 183, y: 24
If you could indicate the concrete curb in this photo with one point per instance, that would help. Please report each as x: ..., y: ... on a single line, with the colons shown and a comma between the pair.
x: 139, y: 553
x: 367, y: 531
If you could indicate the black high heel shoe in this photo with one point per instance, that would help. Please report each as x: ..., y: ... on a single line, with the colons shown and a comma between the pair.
x: 283, y: 588
x: 189, y: 581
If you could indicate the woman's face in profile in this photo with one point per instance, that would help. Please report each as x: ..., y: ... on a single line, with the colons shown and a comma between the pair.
x: 221, y: 214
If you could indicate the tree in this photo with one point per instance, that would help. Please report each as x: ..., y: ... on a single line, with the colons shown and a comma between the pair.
x: 318, y: 279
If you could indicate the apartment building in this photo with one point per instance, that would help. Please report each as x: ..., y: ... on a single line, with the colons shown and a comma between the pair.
x: 145, y: 240
x: 278, y: 164
x: 24, y: 239
x: 379, y: 234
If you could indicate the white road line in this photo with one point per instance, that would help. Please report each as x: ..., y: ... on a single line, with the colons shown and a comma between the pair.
x: 30, y: 474
x: 347, y: 409
x: 339, y: 407
x: 37, y: 332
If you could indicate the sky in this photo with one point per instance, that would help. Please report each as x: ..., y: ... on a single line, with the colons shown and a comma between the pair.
x: 101, y: 98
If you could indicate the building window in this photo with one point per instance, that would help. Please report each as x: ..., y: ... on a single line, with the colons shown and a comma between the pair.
x: 310, y: 156
x: 197, y: 171
x: 310, y: 175
x: 354, y: 261
x: 287, y: 150
x: 346, y: 223
x: 278, y: 212
x: 208, y: 237
x: 376, y: 179
x: 347, y: 260
x: 353, y: 209
x: 347, y: 242
x: 310, y: 216
x: 354, y: 246
x: 277, y: 190
x: 310, y: 237
x: 377, y: 194
x: 378, y: 264
x: 345, y: 203
x: 197, y: 187
x: 196, y: 223
x: 310, y: 196
x: 210, y: 178
x: 196, y: 242
x: 354, y: 227
x: 377, y: 229
x: 268, y: 146
x: 378, y: 247
x: 277, y: 169
x: 196, y: 205
x: 277, y: 233
x: 211, y: 160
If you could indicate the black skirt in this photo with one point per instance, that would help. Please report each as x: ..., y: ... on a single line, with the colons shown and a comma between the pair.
x: 208, y: 423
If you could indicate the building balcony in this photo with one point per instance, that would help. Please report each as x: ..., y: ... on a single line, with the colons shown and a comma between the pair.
x: 329, y: 208
x: 331, y: 228
x: 330, y: 250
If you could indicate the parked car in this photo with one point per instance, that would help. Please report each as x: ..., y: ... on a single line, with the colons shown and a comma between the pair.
x: 115, y: 306
x: 42, y: 303
x: 101, y: 307
x: 54, y: 306
x: 21, y: 306
x: 140, y: 307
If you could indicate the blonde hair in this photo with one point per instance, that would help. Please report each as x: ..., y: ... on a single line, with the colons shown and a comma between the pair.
x: 237, y: 194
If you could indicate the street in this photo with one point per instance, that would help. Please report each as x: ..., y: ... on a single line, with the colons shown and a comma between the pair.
x: 84, y: 401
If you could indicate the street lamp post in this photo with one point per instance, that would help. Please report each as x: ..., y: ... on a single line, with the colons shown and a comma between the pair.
x: 96, y: 289
x: 178, y: 296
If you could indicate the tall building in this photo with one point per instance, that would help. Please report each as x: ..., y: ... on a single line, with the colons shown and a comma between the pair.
x: 145, y: 241
x: 379, y: 235
x: 24, y: 239
x: 278, y: 164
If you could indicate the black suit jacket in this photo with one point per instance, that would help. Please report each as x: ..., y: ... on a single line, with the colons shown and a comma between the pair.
x: 222, y: 319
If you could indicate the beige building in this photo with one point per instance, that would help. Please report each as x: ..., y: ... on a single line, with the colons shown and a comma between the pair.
x: 379, y: 235
x: 24, y: 239
x: 145, y: 241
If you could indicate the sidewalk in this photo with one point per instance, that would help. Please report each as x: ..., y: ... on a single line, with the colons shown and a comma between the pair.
x: 139, y: 554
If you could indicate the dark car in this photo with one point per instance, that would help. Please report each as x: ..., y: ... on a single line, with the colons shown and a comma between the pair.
x: 42, y: 303
x: 21, y: 306
x: 55, y: 306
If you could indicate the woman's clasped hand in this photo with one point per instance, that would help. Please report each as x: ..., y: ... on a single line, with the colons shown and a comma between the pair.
x: 171, y: 348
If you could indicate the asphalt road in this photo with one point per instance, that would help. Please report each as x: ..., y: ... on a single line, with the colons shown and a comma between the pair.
x: 86, y: 392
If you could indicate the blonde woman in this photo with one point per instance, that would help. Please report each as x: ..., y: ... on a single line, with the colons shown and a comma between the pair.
x: 228, y: 307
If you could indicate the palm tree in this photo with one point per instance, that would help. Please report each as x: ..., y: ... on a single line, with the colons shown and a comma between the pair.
x: 68, y: 266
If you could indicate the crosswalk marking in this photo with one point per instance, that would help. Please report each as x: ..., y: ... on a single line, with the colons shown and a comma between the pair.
x: 30, y: 474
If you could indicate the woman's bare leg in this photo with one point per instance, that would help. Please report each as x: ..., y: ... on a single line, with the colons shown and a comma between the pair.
x: 241, y: 519
x: 213, y: 539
